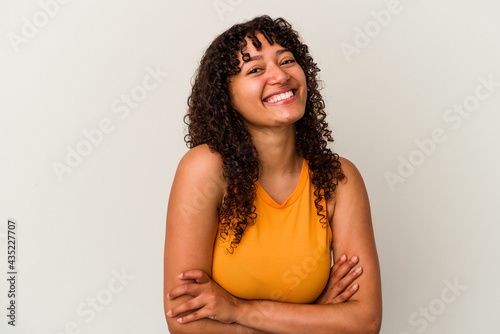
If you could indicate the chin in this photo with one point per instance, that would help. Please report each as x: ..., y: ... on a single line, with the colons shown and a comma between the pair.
x: 289, y: 118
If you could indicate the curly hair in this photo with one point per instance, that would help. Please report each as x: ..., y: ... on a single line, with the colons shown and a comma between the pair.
x: 212, y: 120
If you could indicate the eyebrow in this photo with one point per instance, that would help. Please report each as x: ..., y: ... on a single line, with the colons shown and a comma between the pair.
x: 259, y: 57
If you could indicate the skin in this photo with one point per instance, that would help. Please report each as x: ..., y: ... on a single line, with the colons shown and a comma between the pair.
x: 271, y: 125
x: 195, y: 303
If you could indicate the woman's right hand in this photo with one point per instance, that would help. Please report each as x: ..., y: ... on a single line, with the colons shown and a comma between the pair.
x: 339, y: 288
x: 210, y: 300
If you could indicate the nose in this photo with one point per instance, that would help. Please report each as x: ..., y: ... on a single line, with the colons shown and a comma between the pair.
x: 277, y: 75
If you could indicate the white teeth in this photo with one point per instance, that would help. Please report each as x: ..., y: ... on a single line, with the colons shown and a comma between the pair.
x: 280, y: 97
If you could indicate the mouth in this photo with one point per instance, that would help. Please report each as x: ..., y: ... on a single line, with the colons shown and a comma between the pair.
x: 284, y: 96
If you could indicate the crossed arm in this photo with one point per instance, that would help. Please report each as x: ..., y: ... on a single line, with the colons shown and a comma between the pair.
x: 202, y: 306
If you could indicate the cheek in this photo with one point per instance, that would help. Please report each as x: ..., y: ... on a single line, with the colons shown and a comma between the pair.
x: 303, y: 80
x: 234, y: 96
x: 236, y: 99
x: 248, y: 93
x: 302, y: 76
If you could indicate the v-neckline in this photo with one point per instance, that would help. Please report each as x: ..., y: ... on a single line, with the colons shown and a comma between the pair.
x: 304, y: 175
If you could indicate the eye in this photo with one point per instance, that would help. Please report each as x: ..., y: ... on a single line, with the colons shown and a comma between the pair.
x: 288, y: 61
x: 254, y: 70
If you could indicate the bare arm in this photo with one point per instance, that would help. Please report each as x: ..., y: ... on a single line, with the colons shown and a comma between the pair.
x: 196, y: 192
x: 353, y: 234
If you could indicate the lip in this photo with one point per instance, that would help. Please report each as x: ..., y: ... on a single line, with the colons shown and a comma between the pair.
x: 280, y: 91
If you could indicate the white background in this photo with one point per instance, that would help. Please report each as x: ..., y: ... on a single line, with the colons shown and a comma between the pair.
x: 437, y: 225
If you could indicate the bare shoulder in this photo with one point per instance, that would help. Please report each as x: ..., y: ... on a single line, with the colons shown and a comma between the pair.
x: 349, y: 169
x: 352, y: 205
x: 353, y: 181
x: 350, y: 187
x: 202, y: 158
x: 198, y: 179
x: 201, y: 164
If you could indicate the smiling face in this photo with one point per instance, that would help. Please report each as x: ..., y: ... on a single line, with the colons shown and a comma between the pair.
x: 271, y: 89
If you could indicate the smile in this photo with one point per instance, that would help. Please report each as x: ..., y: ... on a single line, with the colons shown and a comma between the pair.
x: 280, y: 97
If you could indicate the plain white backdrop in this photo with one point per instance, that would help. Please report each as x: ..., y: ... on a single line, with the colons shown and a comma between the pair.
x: 93, y: 95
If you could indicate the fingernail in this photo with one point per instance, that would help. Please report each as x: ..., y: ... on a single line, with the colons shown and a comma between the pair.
x: 168, y: 296
x: 343, y: 257
x: 355, y: 287
x: 354, y: 259
x: 358, y: 270
x: 180, y: 275
x: 180, y: 320
x: 169, y: 313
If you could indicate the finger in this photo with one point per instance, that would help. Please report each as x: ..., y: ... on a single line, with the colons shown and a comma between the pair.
x: 198, y: 275
x: 191, y: 305
x: 196, y: 315
x: 348, y: 293
x: 341, y: 285
x: 189, y: 289
x: 345, y: 268
x: 338, y: 263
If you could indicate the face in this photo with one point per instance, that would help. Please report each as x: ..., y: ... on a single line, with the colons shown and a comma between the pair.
x: 270, y: 90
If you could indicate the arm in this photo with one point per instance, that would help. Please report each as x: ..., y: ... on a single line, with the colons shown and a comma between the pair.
x: 353, y: 234
x: 196, y: 192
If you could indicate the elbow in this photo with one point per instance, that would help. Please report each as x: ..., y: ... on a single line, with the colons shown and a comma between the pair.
x: 373, y: 324
x: 368, y: 321
x: 174, y: 327
x: 367, y: 327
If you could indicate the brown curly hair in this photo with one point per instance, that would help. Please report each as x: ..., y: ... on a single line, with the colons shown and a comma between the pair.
x: 212, y: 120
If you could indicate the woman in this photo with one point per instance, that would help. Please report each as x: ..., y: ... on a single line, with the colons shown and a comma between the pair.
x: 259, y: 202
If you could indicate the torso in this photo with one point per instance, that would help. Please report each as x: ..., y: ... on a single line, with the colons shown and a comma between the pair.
x: 273, y: 261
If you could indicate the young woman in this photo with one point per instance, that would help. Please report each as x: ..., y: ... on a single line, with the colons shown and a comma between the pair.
x: 259, y: 202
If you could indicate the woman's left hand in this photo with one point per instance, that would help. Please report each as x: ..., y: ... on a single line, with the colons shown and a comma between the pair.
x: 338, y: 288
x: 210, y: 300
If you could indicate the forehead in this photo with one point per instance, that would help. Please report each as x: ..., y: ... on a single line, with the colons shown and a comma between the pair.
x: 257, y: 40
x: 256, y: 44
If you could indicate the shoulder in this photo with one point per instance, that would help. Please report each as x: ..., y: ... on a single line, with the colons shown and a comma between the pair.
x: 352, y: 178
x: 201, y: 170
x: 350, y: 194
x: 348, y: 190
x: 203, y: 158
x: 352, y: 187
x: 201, y: 162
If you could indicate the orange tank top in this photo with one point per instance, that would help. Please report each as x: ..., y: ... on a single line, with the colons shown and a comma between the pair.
x: 284, y: 256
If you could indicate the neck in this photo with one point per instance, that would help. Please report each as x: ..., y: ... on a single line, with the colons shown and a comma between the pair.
x: 277, y: 152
